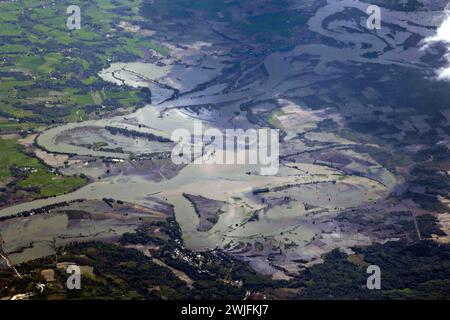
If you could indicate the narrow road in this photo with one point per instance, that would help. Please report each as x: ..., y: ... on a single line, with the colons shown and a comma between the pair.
x: 8, y: 262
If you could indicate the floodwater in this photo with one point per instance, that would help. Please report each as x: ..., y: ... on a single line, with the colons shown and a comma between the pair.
x: 229, y: 183
x: 321, y: 187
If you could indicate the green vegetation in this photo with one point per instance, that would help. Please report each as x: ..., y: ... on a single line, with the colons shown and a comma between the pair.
x: 22, y: 171
x: 49, y: 74
x: 128, y: 274
x: 419, y: 270
x: 415, y: 271
x: 8, y: 126
x: 272, y: 119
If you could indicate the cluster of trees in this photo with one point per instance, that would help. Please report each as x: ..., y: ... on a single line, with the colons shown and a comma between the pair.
x: 135, y: 134
x: 42, y: 210
x: 408, y: 271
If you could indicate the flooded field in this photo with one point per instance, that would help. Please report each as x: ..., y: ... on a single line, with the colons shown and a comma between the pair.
x: 40, y: 235
x: 297, y: 193
x: 321, y: 173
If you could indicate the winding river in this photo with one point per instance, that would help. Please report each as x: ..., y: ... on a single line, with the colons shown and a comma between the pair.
x: 231, y: 183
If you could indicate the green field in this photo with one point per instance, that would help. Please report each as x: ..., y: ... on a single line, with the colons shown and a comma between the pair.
x: 36, y: 175
x: 41, y: 57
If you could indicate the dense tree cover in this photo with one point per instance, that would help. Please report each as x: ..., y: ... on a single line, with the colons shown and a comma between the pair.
x: 416, y: 271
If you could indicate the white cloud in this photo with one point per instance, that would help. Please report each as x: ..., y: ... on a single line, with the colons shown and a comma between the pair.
x: 443, y: 36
